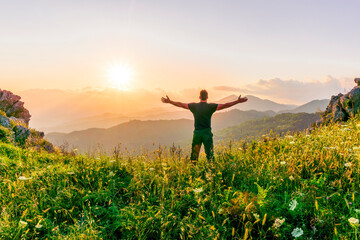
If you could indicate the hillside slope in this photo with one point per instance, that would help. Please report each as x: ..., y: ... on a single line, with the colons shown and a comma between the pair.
x: 279, y: 124
x: 300, y: 186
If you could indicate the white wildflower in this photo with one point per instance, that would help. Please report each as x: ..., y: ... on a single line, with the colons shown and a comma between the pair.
x: 292, y: 142
x: 70, y: 173
x: 151, y: 169
x: 197, y: 190
x: 291, y: 178
x: 292, y: 205
x: 329, y: 147
x: 111, y: 173
x: 278, y: 222
x: 38, y: 226
x: 297, y: 232
x: 256, y: 216
x: 353, y: 221
x: 23, y: 178
x: 348, y: 164
x: 289, y: 136
x: 22, y: 223
x: 282, y: 162
x: 112, y: 161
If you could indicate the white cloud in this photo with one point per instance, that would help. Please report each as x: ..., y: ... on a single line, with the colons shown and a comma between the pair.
x: 294, y: 91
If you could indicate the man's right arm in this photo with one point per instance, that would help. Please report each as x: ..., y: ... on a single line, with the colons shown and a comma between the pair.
x: 230, y: 104
x: 177, y: 104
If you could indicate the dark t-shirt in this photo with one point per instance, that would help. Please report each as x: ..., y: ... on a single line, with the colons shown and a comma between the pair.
x: 202, y: 112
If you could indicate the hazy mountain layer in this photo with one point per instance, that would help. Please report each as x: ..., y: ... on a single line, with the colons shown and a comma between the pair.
x: 148, y: 134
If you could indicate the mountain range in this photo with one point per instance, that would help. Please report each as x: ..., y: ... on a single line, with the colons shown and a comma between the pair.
x: 67, y: 111
x: 149, y: 133
x: 135, y: 135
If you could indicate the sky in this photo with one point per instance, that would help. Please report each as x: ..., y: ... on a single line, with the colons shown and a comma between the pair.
x: 284, y: 50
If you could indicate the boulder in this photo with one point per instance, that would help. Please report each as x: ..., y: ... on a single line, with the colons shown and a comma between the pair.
x: 341, y: 107
x: 5, y: 122
x: 13, y: 107
x: 21, y: 134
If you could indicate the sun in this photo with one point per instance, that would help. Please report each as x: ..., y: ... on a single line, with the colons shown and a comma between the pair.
x: 120, y: 76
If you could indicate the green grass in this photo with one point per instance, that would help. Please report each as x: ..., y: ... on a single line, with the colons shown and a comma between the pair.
x: 310, y: 181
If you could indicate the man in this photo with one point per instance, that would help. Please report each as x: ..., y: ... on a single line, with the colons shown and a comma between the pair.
x: 203, y: 112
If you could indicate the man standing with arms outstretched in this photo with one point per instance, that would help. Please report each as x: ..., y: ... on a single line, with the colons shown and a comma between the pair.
x: 203, y: 112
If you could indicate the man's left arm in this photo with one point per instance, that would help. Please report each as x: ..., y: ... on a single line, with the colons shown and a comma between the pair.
x: 230, y: 104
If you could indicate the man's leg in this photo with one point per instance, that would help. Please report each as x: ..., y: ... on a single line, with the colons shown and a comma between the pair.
x: 195, y: 146
x: 208, y: 145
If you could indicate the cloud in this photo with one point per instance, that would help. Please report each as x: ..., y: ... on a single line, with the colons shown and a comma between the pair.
x: 228, y: 89
x: 294, y: 91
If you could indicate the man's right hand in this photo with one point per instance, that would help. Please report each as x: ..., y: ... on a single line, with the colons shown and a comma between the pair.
x: 165, y: 100
x: 241, y: 100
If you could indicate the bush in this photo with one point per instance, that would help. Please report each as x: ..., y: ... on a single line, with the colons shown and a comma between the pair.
x: 6, y: 135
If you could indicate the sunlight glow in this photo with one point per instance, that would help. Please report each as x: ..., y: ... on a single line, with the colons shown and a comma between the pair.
x: 120, y: 76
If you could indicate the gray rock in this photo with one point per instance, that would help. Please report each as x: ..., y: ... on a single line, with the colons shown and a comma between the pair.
x: 21, y: 134
x: 5, y: 122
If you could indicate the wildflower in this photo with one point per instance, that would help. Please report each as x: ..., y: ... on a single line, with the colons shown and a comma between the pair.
x: 289, y: 136
x: 112, y: 161
x: 208, y: 176
x: 297, y: 232
x: 111, y: 173
x: 22, y: 223
x: 291, y: 178
x: 197, y: 190
x: 357, y: 210
x: 70, y: 173
x: 353, y: 221
x: 151, y: 169
x: 282, y: 162
x: 278, y: 222
x: 348, y: 164
x: 274, y: 178
x: 22, y: 178
x: 256, y: 215
x: 292, y: 142
x: 292, y: 205
x: 38, y: 226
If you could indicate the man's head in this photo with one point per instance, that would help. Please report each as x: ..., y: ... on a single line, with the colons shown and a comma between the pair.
x: 203, y: 95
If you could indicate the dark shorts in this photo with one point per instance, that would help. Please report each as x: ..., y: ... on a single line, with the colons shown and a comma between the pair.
x: 205, y: 137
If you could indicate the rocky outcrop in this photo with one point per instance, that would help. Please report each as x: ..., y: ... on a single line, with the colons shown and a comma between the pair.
x: 342, y: 106
x: 13, y: 107
x: 14, y: 120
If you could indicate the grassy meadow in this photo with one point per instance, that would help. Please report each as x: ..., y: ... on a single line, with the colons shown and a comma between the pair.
x: 303, y: 186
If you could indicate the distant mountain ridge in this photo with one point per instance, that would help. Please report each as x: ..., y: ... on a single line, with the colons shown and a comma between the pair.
x: 258, y: 104
x: 310, y: 107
